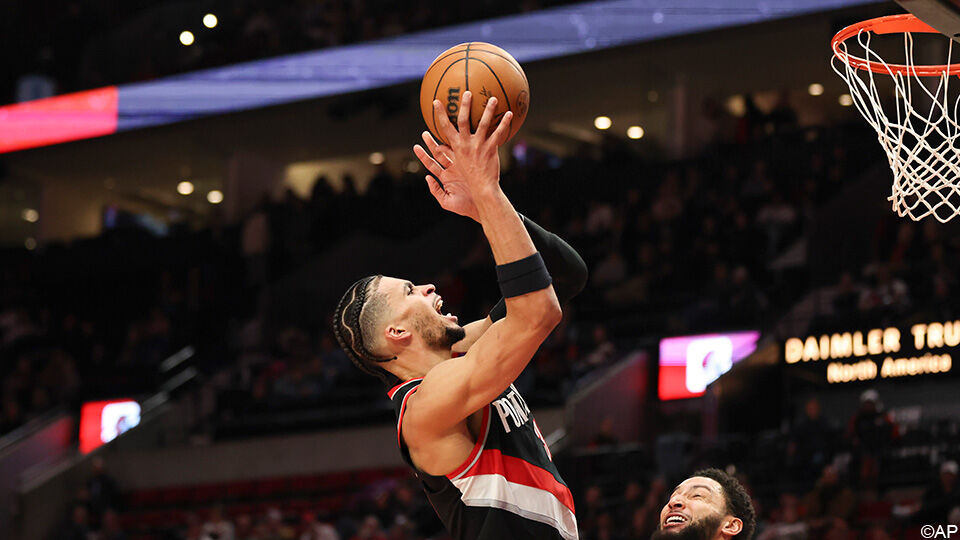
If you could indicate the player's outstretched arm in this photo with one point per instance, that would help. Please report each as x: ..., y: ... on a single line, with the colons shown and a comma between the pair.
x: 457, y: 388
x: 563, y: 262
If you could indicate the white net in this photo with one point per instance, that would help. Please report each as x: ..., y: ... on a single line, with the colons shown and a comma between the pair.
x: 915, y: 117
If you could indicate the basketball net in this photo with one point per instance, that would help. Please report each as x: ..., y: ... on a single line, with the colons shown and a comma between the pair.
x: 916, y: 126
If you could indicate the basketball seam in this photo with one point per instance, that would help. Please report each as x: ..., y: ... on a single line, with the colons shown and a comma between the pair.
x: 466, y: 69
x: 446, y: 55
x: 494, y: 73
x: 435, y: 90
x: 513, y: 63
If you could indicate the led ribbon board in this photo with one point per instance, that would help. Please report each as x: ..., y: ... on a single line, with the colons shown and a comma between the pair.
x: 529, y: 37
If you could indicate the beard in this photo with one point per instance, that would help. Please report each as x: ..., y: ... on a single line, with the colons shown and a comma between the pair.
x: 704, y: 528
x: 439, y: 336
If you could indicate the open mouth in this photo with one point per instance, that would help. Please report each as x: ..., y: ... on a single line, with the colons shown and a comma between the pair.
x: 674, y: 520
x: 438, y: 305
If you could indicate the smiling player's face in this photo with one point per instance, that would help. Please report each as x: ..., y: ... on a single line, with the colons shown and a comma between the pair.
x: 695, y: 511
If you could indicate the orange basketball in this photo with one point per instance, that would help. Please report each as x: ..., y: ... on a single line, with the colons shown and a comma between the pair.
x: 484, y: 69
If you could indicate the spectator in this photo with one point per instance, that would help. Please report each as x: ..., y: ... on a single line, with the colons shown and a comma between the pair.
x: 838, y: 530
x: 642, y: 524
x: 244, y: 528
x: 775, y: 218
x: 110, y: 528
x: 942, y: 497
x: 612, y: 270
x: 255, y: 244
x: 870, y: 432
x: 603, y: 350
x: 588, y: 513
x: 632, y: 501
x: 102, y: 489
x: 811, y: 440
x: 275, y: 528
x: 829, y: 500
x: 370, y: 530
x: 606, y: 435
x: 788, y: 525
x: 79, y: 526
x: 218, y: 526
x: 846, y: 297
x: 604, y: 529
x: 887, y: 298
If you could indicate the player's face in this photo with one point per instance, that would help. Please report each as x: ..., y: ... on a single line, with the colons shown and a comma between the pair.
x: 422, y: 307
x: 694, y: 512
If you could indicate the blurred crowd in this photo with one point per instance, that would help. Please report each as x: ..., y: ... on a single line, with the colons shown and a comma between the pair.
x: 912, y: 275
x: 102, y: 329
x: 819, y: 480
x: 672, y: 248
x: 49, y: 350
x: 65, y: 47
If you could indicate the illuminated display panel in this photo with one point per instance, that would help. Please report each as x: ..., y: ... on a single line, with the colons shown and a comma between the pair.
x: 688, y: 364
x: 103, y: 421
x: 550, y: 33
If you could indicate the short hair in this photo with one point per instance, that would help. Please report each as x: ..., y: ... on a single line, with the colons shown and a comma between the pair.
x: 356, y: 325
x: 738, y: 502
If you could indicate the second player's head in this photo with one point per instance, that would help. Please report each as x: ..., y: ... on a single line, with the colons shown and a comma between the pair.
x: 380, y: 319
x: 710, y: 505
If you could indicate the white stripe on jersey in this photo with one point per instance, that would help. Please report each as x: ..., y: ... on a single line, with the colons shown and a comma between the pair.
x: 535, y: 504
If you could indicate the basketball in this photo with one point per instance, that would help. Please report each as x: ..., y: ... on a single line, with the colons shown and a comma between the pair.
x: 484, y: 69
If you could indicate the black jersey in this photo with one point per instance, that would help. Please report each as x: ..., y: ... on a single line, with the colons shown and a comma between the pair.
x: 508, y: 487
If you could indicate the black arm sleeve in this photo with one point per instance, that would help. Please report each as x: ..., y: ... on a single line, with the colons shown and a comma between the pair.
x: 568, y: 270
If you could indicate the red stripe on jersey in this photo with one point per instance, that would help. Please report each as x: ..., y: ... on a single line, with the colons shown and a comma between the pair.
x: 522, y: 472
x: 477, y: 446
x: 403, y: 407
x: 393, y: 390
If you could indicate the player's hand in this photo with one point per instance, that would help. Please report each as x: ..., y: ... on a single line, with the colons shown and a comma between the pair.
x: 450, y: 191
x: 475, y: 154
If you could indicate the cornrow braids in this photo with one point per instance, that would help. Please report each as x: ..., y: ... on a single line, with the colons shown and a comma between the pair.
x: 346, y: 328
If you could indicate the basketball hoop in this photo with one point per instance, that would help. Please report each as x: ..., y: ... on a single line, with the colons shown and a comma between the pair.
x: 919, y: 130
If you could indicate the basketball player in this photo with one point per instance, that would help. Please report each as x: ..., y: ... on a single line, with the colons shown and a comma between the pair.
x: 710, y: 505
x: 461, y: 424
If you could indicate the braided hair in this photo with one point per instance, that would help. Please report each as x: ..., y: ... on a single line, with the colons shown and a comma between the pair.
x: 347, y: 329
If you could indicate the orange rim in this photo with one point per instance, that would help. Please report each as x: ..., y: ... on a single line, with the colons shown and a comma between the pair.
x: 892, y: 24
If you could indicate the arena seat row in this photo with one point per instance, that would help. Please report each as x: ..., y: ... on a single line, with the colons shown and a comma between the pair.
x: 237, y: 494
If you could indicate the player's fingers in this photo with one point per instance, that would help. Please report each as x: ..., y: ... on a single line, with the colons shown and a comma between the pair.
x: 428, y: 162
x: 439, y: 151
x: 436, y: 189
x: 447, y: 131
x: 484, y: 125
x: 463, y: 119
x: 428, y: 140
x: 502, y: 132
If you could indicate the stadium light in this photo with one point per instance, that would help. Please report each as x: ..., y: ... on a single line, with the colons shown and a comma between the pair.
x: 845, y: 100
x: 635, y: 132
x: 210, y: 20
x: 186, y: 38
x: 815, y: 89
x: 602, y: 122
x: 377, y: 158
x: 30, y: 215
x: 185, y: 188
x: 215, y: 197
